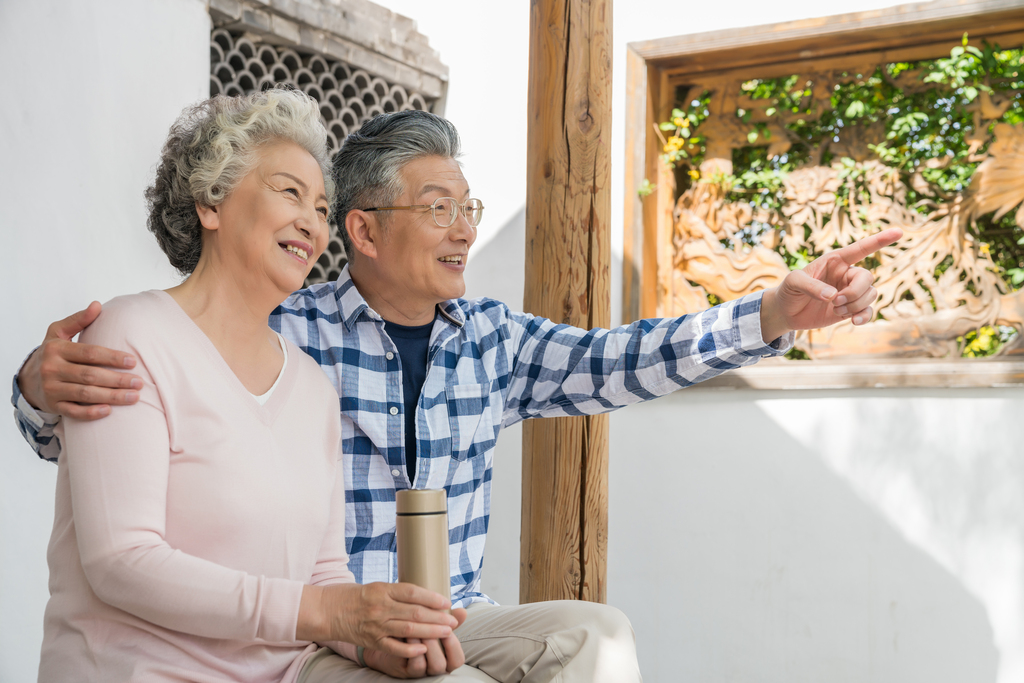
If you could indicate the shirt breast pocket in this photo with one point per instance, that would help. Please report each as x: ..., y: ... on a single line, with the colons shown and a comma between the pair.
x: 468, y: 410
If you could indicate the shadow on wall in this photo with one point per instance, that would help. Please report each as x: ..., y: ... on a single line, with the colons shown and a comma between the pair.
x: 950, y: 479
x: 739, y: 555
x: 495, y: 270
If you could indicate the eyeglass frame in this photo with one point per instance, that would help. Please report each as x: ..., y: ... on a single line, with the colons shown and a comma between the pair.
x: 433, y: 212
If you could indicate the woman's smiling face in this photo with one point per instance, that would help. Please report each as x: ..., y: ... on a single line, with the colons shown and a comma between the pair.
x: 273, y: 226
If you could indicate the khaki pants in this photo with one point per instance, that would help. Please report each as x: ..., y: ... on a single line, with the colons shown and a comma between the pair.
x: 565, y: 641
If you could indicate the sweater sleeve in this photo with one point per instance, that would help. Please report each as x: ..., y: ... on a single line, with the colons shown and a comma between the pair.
x: 332, y: 559
x: 118, y: 469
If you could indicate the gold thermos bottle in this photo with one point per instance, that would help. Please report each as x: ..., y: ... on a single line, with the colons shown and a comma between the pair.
x: 422, y: 528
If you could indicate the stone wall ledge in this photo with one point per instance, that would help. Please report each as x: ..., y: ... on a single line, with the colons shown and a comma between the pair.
x: 873, y: 373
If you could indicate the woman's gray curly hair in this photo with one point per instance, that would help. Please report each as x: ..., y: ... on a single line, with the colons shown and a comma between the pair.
x: 211, y: 147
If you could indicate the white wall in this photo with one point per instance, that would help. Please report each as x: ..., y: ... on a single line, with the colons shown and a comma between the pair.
x: 854, y: 536
x: 90, y: 88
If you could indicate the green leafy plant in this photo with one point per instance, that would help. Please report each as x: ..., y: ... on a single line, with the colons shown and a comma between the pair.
x: 920, y: 116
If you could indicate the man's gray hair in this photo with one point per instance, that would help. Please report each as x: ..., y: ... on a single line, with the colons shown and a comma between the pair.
x: 368, y: 164
x: 211, y: 147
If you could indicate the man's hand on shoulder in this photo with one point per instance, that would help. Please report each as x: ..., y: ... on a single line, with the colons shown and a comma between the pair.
x: 826, y: 291
x: 72, y: 379
x: 443, y: 656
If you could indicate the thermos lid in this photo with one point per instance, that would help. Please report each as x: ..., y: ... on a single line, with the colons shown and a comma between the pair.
x: 421, y: 501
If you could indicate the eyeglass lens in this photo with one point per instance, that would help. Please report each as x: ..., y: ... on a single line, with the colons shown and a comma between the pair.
x: 446, y: 211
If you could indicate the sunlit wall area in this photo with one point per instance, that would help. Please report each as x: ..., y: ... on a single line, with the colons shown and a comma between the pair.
x: 822, y: 536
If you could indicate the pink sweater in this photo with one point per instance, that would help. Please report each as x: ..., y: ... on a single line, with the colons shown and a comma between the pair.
x: 187, y: 524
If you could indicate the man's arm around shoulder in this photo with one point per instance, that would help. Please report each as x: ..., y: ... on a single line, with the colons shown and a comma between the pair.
x: 65, y: 378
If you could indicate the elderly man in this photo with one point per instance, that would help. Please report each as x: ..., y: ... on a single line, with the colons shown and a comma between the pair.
x: 427, y: 380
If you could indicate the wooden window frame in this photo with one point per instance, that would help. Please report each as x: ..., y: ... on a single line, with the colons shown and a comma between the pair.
x: 654, y: 68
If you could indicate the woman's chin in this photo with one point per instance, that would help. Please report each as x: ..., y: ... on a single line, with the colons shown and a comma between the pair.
x: 283, y: 285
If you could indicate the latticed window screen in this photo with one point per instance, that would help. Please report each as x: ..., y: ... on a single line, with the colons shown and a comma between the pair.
x: 347, y: 96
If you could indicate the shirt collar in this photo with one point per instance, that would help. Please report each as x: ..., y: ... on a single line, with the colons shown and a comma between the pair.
x: 351, y: 304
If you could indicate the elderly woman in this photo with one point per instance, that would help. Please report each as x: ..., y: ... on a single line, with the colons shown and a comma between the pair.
x: 199, y: 534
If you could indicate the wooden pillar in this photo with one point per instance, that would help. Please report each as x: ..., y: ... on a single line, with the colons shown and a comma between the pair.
x: 568, y: 207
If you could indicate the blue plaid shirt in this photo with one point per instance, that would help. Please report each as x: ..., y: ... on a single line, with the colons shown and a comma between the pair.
x: 489, y: 367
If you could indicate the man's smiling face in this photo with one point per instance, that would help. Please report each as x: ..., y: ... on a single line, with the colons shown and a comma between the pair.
x: 425, y: 263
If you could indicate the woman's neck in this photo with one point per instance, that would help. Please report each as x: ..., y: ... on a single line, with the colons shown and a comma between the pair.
x: 230, y: 310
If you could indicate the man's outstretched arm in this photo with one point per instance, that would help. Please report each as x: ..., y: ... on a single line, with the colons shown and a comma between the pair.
x: 562, y: 370
x: 62, y: 377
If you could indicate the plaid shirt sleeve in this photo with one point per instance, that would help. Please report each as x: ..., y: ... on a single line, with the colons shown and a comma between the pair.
x: 36, y: 426
x: 561, y: 370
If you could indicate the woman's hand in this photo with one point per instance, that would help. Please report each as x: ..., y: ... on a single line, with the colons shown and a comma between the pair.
x: 378, y: 616
x: 442, y: 656
x: 71, y: 379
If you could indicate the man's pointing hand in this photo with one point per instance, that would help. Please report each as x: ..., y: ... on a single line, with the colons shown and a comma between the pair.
x: 828, y: 290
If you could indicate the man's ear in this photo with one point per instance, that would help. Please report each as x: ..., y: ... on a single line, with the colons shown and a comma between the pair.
x: 363, y: 232
x: 209, y: 217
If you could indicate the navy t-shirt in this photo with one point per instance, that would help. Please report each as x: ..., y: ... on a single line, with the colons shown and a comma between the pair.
x: 413, y: 343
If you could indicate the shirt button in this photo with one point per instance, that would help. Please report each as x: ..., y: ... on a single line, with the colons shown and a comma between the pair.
x: 394, y: 410
x: 389, y: 355
x: 396, y: 473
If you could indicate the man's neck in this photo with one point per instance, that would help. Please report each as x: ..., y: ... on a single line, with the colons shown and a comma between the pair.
x: 389, y: 304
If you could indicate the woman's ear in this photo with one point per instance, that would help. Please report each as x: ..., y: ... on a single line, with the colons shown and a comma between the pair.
x: 209, y: 218
x: 362, y: 232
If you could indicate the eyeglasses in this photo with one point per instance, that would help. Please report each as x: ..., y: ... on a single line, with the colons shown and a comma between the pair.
x: 445, y: 210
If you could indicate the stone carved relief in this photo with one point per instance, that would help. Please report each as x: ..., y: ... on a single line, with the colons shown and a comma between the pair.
x: 241, y: 64
x: 922, y: 308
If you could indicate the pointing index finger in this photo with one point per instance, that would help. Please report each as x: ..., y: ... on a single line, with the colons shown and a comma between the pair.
x: 860, y: 250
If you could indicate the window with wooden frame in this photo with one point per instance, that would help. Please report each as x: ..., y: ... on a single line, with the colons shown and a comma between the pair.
x: 750, y: 151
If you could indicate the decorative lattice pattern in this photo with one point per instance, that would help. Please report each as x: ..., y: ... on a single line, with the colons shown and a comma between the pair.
x: 347, y: 96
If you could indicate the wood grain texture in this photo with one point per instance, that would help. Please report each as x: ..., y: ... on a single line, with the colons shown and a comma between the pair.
x: 834, y: 35
x: 568, y: 207
x: 635, y: 173
x: 654, y: 167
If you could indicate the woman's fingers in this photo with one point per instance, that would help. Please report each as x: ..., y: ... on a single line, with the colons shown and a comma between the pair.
x: 403, y: 649
x: 453, y: 652
x: 437, y: 662
x: 395, y: 666
x: 399, y: 628
x: 379, y: 615
x: 415, y: 595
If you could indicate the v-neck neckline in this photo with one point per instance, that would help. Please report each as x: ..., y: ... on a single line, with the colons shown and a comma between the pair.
x: 269, y: 410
